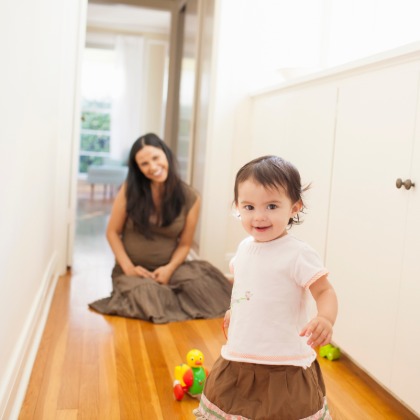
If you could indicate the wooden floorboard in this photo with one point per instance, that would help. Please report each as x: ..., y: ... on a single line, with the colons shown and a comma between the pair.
x: 91, y: 366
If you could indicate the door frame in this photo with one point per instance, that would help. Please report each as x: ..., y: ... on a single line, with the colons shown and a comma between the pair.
x: 67, y: 222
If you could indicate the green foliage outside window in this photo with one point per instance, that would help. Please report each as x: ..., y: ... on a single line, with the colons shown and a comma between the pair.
x: 86, y: 161
x: 95, y: 121
x: 95, y: 129
x: 94, y: 142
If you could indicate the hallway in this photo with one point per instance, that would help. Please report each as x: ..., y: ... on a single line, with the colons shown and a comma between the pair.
x: 94, y: 367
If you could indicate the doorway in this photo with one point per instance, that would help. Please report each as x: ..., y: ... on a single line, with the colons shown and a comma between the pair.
x: 124, y: 78
x: 166, y: 42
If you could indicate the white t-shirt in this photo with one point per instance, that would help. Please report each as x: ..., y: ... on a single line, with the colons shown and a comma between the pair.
x: 268, y: 308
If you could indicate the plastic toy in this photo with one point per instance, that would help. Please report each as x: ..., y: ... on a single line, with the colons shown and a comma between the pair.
x: 330, y: 352
x: 191, y: 377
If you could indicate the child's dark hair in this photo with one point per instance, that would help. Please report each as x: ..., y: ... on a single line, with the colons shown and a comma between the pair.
x: 272, y: 172
x: 139, y: 196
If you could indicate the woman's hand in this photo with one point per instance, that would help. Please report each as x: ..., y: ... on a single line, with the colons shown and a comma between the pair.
x: 138, y: 271
x: 163, y: 274
x: 319, y: 330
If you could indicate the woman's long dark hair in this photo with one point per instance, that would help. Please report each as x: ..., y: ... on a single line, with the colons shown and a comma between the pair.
x: 140, y: 205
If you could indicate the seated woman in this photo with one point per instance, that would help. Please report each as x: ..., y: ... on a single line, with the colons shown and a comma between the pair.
x: 150, y: 231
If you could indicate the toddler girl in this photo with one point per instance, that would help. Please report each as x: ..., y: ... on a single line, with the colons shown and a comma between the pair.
x: 268, y: 368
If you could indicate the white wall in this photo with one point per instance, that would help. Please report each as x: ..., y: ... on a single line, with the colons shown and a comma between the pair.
x: 156, y: 56
x: 361, y: 28
x: 36, y: 105
x: 229, y: 96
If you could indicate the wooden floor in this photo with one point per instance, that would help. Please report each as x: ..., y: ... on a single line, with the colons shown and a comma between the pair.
x: 91, y: 366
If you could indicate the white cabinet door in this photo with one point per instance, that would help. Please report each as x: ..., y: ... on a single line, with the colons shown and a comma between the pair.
x: 374, y: 137
x: 405, y: 379
x: 298, y: 125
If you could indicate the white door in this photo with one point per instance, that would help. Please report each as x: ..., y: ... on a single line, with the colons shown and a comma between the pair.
x: 298, y: 125
x: 374, y: 137
x: 405, y: 380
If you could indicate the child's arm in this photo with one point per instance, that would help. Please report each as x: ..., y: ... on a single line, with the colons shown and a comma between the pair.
x: 226, y: 322
x: 319, y: 329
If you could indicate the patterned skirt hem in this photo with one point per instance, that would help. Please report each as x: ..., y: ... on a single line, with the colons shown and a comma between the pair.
x: 209, y: 411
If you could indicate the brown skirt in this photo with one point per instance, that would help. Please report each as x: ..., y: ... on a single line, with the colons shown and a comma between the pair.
x: 236, y: 390
x: 197, y: 289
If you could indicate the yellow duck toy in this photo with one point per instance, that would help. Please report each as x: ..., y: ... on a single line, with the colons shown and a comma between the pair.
x: 190, y: 377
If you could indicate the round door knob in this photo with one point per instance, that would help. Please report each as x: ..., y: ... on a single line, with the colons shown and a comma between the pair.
x: 407, y: 183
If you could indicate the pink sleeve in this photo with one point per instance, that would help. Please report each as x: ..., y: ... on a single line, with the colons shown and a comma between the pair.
x: 308, y: 268
x: 316, y: 277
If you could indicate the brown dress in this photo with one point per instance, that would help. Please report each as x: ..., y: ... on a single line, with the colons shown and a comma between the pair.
x: 244, y: 391
x: 197, y: 289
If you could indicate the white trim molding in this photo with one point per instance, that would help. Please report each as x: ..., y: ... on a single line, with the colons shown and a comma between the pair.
x: 13, y: 385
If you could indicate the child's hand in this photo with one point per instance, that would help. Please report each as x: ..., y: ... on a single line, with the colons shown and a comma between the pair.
x: 226, y: 322
x: 319, y: 330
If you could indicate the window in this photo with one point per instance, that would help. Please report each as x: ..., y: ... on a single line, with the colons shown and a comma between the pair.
x: 95, y: 131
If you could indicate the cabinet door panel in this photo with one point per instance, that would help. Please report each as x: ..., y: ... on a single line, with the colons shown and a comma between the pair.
x: 405, y: 380
x: 374, y: 136
x: 298, y: 125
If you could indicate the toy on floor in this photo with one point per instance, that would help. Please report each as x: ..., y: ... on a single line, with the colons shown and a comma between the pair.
x: 330, y: 352
x: 190, y: 377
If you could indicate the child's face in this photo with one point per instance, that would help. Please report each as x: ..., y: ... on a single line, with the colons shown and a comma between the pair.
x: 265, y: 213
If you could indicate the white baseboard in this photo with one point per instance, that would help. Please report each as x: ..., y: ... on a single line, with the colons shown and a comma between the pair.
x: 15, y: 382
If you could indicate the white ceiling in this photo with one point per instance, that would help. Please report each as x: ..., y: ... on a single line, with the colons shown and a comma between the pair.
x: 128, y: 18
